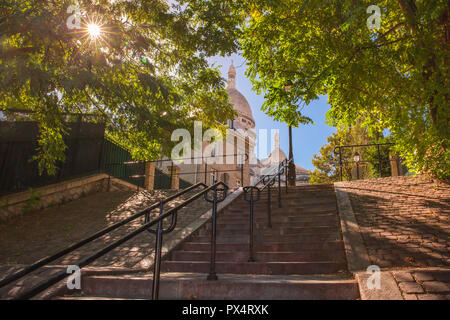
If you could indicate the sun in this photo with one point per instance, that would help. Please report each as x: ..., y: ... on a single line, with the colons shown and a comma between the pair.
x: 94, y: 30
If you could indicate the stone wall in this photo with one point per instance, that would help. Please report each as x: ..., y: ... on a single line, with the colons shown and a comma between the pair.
x: 58, y: 193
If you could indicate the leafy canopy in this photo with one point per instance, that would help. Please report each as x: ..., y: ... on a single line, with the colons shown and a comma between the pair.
x: 395, y: 77
x: 144, y: 75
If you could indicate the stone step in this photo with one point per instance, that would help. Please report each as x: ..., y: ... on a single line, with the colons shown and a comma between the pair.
x: 262, y: 226
x: 257, y: 267
x: 294, y: 195
x: 284, y: 211
x: 242, y: 256
x: 265, y: 247
x: 285, y: 218
x: 88, y: 298
x: 274, y: 231
x: 262, y: 223
x: 301, y: 257
x: 228, y: 219
x: 310, y: 188
x: 297, y: 195
x: 292, y: 204
x: 304, y: 237
x: 307, y: 196
x: 174, y: 286
x: 291, y: 196
x: 323, y: 199
x: 290, y: 211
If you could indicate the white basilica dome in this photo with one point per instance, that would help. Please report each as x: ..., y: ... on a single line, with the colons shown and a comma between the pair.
x: 245, y: 117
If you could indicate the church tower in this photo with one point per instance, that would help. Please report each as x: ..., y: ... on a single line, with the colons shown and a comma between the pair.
x: 245, y: 118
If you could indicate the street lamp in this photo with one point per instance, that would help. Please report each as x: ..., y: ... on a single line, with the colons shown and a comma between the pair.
x: 357, y: 158
x: 291, y: 168
x: 288, y: 86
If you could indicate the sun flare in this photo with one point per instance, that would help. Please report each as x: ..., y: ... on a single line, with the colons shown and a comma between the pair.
x: 94, y: 30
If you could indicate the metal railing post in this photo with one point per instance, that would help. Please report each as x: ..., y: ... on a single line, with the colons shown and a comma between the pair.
x: 379, y: 162
x: 269, y: 208
x: 251, y: 258
x: 251, y: 200
x: 171, y: 175
x: 212, y: 268
x: 286, y: 172
x: 157, y: 260
x: 214, y: 200
x: 268, y: 182
x: 279, y: 189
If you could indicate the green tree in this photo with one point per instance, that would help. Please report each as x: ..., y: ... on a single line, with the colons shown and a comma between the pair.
x: 326, y: 163
x: 394, y: 77
x: 144, y: 74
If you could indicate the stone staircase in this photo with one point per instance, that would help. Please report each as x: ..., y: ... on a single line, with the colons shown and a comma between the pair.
x: 301, y: 257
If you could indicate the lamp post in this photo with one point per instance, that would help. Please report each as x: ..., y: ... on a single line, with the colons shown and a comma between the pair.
x: 291, y: 174
x: 357, y: 158
x: 291, y: 167
x: 288, y: 86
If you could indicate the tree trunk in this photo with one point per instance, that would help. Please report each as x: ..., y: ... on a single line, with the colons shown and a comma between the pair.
x: 409, y: 10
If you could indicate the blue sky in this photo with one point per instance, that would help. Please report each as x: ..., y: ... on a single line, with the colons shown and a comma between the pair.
x: 307, y: 139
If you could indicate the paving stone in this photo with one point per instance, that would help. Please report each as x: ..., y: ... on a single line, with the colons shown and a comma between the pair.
x: 407, y: 215
x: 435, y: 286
x: 403, y: 276
x: 410, y: 287
x: 431, y: 297
x: 423, y: 276
x: 442, y: 275
x: 409, y: 296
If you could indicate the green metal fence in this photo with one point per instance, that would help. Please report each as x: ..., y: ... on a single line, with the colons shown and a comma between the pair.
x: 118, y: 162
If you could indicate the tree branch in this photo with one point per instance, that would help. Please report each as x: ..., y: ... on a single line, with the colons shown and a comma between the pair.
x: 409, y: 10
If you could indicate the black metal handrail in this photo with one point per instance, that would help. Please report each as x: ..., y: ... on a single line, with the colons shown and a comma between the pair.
x: 47, y: 260
x: 251, y: 197
x: 146, y: 226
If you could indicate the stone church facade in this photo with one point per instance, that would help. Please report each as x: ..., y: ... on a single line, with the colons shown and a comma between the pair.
x: 239, y: 146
